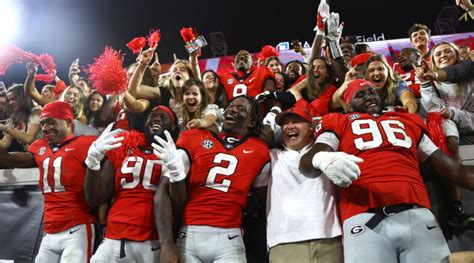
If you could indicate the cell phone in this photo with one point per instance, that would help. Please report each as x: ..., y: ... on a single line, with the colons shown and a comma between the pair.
x: 194, y: 45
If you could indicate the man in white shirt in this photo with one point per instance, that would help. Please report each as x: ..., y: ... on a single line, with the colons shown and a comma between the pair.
x: 302, y: 220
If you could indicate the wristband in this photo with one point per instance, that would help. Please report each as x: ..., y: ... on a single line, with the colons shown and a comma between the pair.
x: 335, y: 50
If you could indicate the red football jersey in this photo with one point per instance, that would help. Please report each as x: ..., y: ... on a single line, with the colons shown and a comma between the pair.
x: 410, y: 78
x: 250, y: 84
x: 389, y: 146
x: 62, y: 173
x: 131, y: 215
x: 220, y: 176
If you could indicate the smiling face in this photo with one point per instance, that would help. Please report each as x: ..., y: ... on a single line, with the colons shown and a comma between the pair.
x: 274, y: 65
x: 243, y: 61
x: 293, y: 71
x: 348, y: 50
x: 55, y: 130
x: 192, y: 98
x: 365, y: 100
x: 72, y: 96
x: 297, y: 132
x: 377, y: 74
x: 444, y: 55
x: 407, y: 57
x: 95, y: 102
x: 237, y: 117
x: 179, y: 74
x: 157, y: 122
x: 320, y: 71
x: 419, y: 39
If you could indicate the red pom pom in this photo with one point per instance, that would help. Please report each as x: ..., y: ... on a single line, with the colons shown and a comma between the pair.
x: 435, y: 131
x: 107, y: 74
x: 131, y: 141
x: 187, y: 33
x: 268, y: 51
x: 47, y: 63
x: 154, y: 38
x: 11, y: 54
x: 137, y: 44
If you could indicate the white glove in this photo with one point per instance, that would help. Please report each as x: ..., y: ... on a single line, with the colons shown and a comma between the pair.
x: 333, y: 28
x: 170, y: 157
x: 104, y: 143
x: 270, y: 119
x: 322, y: 16
x: 339, y: 167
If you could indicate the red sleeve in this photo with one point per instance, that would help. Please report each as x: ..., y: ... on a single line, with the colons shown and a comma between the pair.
x: 332, y: 122
x: 320, y: 105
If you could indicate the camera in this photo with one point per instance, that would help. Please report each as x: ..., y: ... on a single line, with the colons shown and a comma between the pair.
x: 193, y: 45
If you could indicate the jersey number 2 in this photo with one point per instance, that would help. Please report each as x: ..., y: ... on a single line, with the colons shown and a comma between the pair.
x: 391, y: 129
x: 219, y: 170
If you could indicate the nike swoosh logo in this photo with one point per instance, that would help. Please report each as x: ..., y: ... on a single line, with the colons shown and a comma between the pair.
x: 232, y: 237
x: 73, y: 231
x: 245, y: 151
x: 430, y: 227
x: 155, y: 248
x: 68, y: 149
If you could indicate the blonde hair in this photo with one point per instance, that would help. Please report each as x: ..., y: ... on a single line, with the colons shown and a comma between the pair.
x: 175, y: 91
x: 391, y: 84
x: 78, y: 107
x: 433, y: 66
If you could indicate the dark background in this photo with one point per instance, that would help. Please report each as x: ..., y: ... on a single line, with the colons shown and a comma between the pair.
x: 69, y: 29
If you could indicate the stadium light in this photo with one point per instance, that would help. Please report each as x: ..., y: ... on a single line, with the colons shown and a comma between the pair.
x: 9, y: 19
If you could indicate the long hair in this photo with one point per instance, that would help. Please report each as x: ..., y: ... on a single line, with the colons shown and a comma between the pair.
x: 389, y: 89
x: 25, y: 105
x: 315, y: 88
x: 175, y: 91
x: 78, y: 107
x: 458, y: 59
x: 220, y: 96
x: 93, y: 117
x: 255, y: 114
x: 205, y: 100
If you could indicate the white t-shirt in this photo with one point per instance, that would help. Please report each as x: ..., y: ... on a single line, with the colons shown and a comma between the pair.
x: 298, y: 208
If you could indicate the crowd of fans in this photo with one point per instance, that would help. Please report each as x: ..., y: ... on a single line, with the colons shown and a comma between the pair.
x: 277, y: 105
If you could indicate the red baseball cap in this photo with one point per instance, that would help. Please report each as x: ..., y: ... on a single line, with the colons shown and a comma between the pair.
x: 57, y: 109
x: 298, y: 111
x: 353, y: 87
x: 360, y: 59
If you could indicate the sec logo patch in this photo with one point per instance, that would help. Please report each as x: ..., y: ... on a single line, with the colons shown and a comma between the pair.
x: 230, y: 81
x: 42, y: 150
x: 207, y: 144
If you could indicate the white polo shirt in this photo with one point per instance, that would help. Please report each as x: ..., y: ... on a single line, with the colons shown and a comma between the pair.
x: 298, y: 208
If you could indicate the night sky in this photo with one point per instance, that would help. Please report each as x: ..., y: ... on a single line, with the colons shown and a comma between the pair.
x: 69, y: 29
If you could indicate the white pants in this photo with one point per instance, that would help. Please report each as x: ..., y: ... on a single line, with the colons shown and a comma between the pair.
x: 71, y: 245
x: 211, y: 244
x: 111, y: 250
x: 409, y: 236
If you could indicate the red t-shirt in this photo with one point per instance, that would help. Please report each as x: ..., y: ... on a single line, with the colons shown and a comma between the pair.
x: 319, y: 106
x: 222, y: 171
x: 131, y: 215
x: 250, y: 83
x: 389, y: 147
x: 62, y: 173
x: 410, y: 78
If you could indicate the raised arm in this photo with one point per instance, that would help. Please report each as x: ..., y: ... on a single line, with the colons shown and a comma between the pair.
x: 30, y: 87
x: 16, y: 159
x: 74, y: 73
x: 193, y: 59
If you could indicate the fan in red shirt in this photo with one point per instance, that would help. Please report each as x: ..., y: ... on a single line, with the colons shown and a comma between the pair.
x: 247, y: 80
x: 404, y: 67
x: 219, y: 170
x: 130, y: 178
x: 374, y: 158
x: 68, y: 221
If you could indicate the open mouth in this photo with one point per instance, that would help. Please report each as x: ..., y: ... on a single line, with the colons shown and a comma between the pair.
x: 377, y: 80
x: 292, y: 135
x: 156, y: 128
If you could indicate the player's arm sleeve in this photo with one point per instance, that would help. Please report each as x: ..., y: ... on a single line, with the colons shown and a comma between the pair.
x: 262, y: 179
x: 330, y: 139
x: 426, y: 148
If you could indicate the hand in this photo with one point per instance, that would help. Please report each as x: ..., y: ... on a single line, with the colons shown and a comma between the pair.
x: 465, y: 4
x: 146, y: 56
x: 169, y: 254
x: 31, y: 68
x: 445, y: 113
x: 423, y: 72
x: 339, y: 167
x: 106, y: 141
x: 194, y: 124
x: 334, y: 28
x: 156, y: 66
x: 351, y: 75
x: 270, y: 121
x: 169, y: 156
x: 2, y: 127
x: 265, y: 95
x: 323, y: 15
